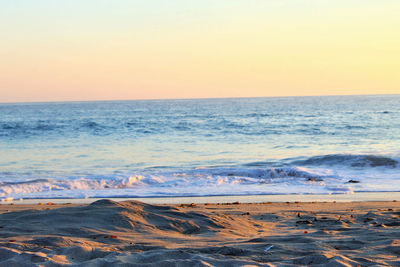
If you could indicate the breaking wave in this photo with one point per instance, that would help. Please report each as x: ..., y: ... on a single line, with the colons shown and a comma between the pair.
x: 200, y: 182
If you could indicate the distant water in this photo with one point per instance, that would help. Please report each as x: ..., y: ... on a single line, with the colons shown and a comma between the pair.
x: 293, y: 145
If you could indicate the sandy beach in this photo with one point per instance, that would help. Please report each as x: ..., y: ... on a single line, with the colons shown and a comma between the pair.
x: 132, y: 233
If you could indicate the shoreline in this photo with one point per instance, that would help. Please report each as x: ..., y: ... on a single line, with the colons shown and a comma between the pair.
x: 354, y: 197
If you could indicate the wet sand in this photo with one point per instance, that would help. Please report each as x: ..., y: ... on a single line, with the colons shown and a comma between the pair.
x: 132, y: 233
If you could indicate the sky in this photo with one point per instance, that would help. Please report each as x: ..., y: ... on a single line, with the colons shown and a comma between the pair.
x: 53, y: 50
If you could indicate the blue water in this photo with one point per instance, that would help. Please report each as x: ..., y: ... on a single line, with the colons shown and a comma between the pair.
x: 291, y: 145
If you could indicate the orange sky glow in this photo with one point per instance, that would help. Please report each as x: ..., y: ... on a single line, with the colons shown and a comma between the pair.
x: 106, y: 50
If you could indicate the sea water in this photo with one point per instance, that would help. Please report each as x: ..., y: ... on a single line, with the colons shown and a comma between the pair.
x: 200, y: 147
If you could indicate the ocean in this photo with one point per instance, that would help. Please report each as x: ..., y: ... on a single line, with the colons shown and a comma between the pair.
x: 200, y: 147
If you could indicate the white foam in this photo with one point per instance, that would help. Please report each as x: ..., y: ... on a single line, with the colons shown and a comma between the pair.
x: 208, y: 181
x: 194, y: 182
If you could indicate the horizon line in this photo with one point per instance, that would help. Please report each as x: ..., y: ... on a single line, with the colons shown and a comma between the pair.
x: 183, y: 98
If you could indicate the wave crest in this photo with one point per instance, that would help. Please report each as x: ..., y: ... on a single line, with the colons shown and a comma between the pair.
x: 349, y: 160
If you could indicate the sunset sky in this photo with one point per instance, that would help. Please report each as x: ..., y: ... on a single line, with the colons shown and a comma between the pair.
x: 53, y: 50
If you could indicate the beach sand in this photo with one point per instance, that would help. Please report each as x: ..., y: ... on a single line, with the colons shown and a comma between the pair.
x: 132, y: 233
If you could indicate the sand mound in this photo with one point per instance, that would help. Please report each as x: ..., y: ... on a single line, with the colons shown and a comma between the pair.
x: 107, y: 215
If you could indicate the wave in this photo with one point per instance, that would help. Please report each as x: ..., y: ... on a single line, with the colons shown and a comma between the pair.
x: 71, y: 184
x: 63, y: 128
x: 15, y: 129
x: 200, y: 181
x: 349, y: 160
x: 263, y: 173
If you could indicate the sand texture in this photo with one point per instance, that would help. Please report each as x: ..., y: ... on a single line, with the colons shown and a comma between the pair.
x: 107, y: 233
